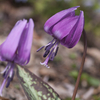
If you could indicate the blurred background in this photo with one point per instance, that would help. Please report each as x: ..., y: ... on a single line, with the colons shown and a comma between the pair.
x: 63, y: 71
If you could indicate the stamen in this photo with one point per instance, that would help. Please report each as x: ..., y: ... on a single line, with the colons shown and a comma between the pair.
x: 8, y: 82
x: 52, y: 56
x: 40, y: 48
x: 4, y: 70
x: 50, y: 42
x: 4, y: 74
x: 12, y: 76
x: 9, y: 71
x: 56, y: 51
x: 49, y: 47
x: 46, y: 53
x: 46, y: 45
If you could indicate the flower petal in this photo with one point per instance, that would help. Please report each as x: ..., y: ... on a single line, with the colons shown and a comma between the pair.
x: 8, y: 48
x: 75, y: 34
x: 24, y: 47
x: 57, y: 17
x: 62, y: 29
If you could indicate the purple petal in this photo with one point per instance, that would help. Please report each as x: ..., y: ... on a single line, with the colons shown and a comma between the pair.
x: 62, y: 29
x: 24, y: 47
x: 57, y: 17
x: 75, y: 34
x: 8, y: 48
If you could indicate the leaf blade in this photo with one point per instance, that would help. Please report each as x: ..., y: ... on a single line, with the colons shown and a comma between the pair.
x: 34, y: 87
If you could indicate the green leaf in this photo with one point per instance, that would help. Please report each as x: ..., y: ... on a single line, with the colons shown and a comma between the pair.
x: 94, y: 82
x: 74, y: 74
x: 90, y: 80
x: 34, y: 87
x: 96, y: 97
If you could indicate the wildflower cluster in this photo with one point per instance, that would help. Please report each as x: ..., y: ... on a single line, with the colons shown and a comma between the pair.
x: 65, y: 27
x: 16, y: 49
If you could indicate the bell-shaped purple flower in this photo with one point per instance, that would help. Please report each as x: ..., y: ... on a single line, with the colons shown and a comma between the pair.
x: 16, y: 48
x: 24, y: 47
x: 66, y: 28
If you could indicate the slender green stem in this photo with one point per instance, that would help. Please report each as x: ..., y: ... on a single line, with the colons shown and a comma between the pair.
x: 82, y: 65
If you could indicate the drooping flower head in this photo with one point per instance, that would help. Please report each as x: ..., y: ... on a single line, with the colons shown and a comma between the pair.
x: 16, y: 49
x: 66, y: 28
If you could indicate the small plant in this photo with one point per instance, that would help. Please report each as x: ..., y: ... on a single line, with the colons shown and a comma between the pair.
x: 65, y: 27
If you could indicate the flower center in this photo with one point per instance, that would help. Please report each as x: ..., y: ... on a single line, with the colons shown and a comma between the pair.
x: 8, y: 75
x: 51, y: 50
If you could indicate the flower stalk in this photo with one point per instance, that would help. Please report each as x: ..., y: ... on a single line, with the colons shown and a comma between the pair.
x: 82, y: 65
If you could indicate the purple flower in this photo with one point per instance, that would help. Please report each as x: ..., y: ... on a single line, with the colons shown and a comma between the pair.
x: 66, y: 28
x: 16, y: 49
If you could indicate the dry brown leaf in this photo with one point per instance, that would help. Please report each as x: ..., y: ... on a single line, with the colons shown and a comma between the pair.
x: 2, y: 98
